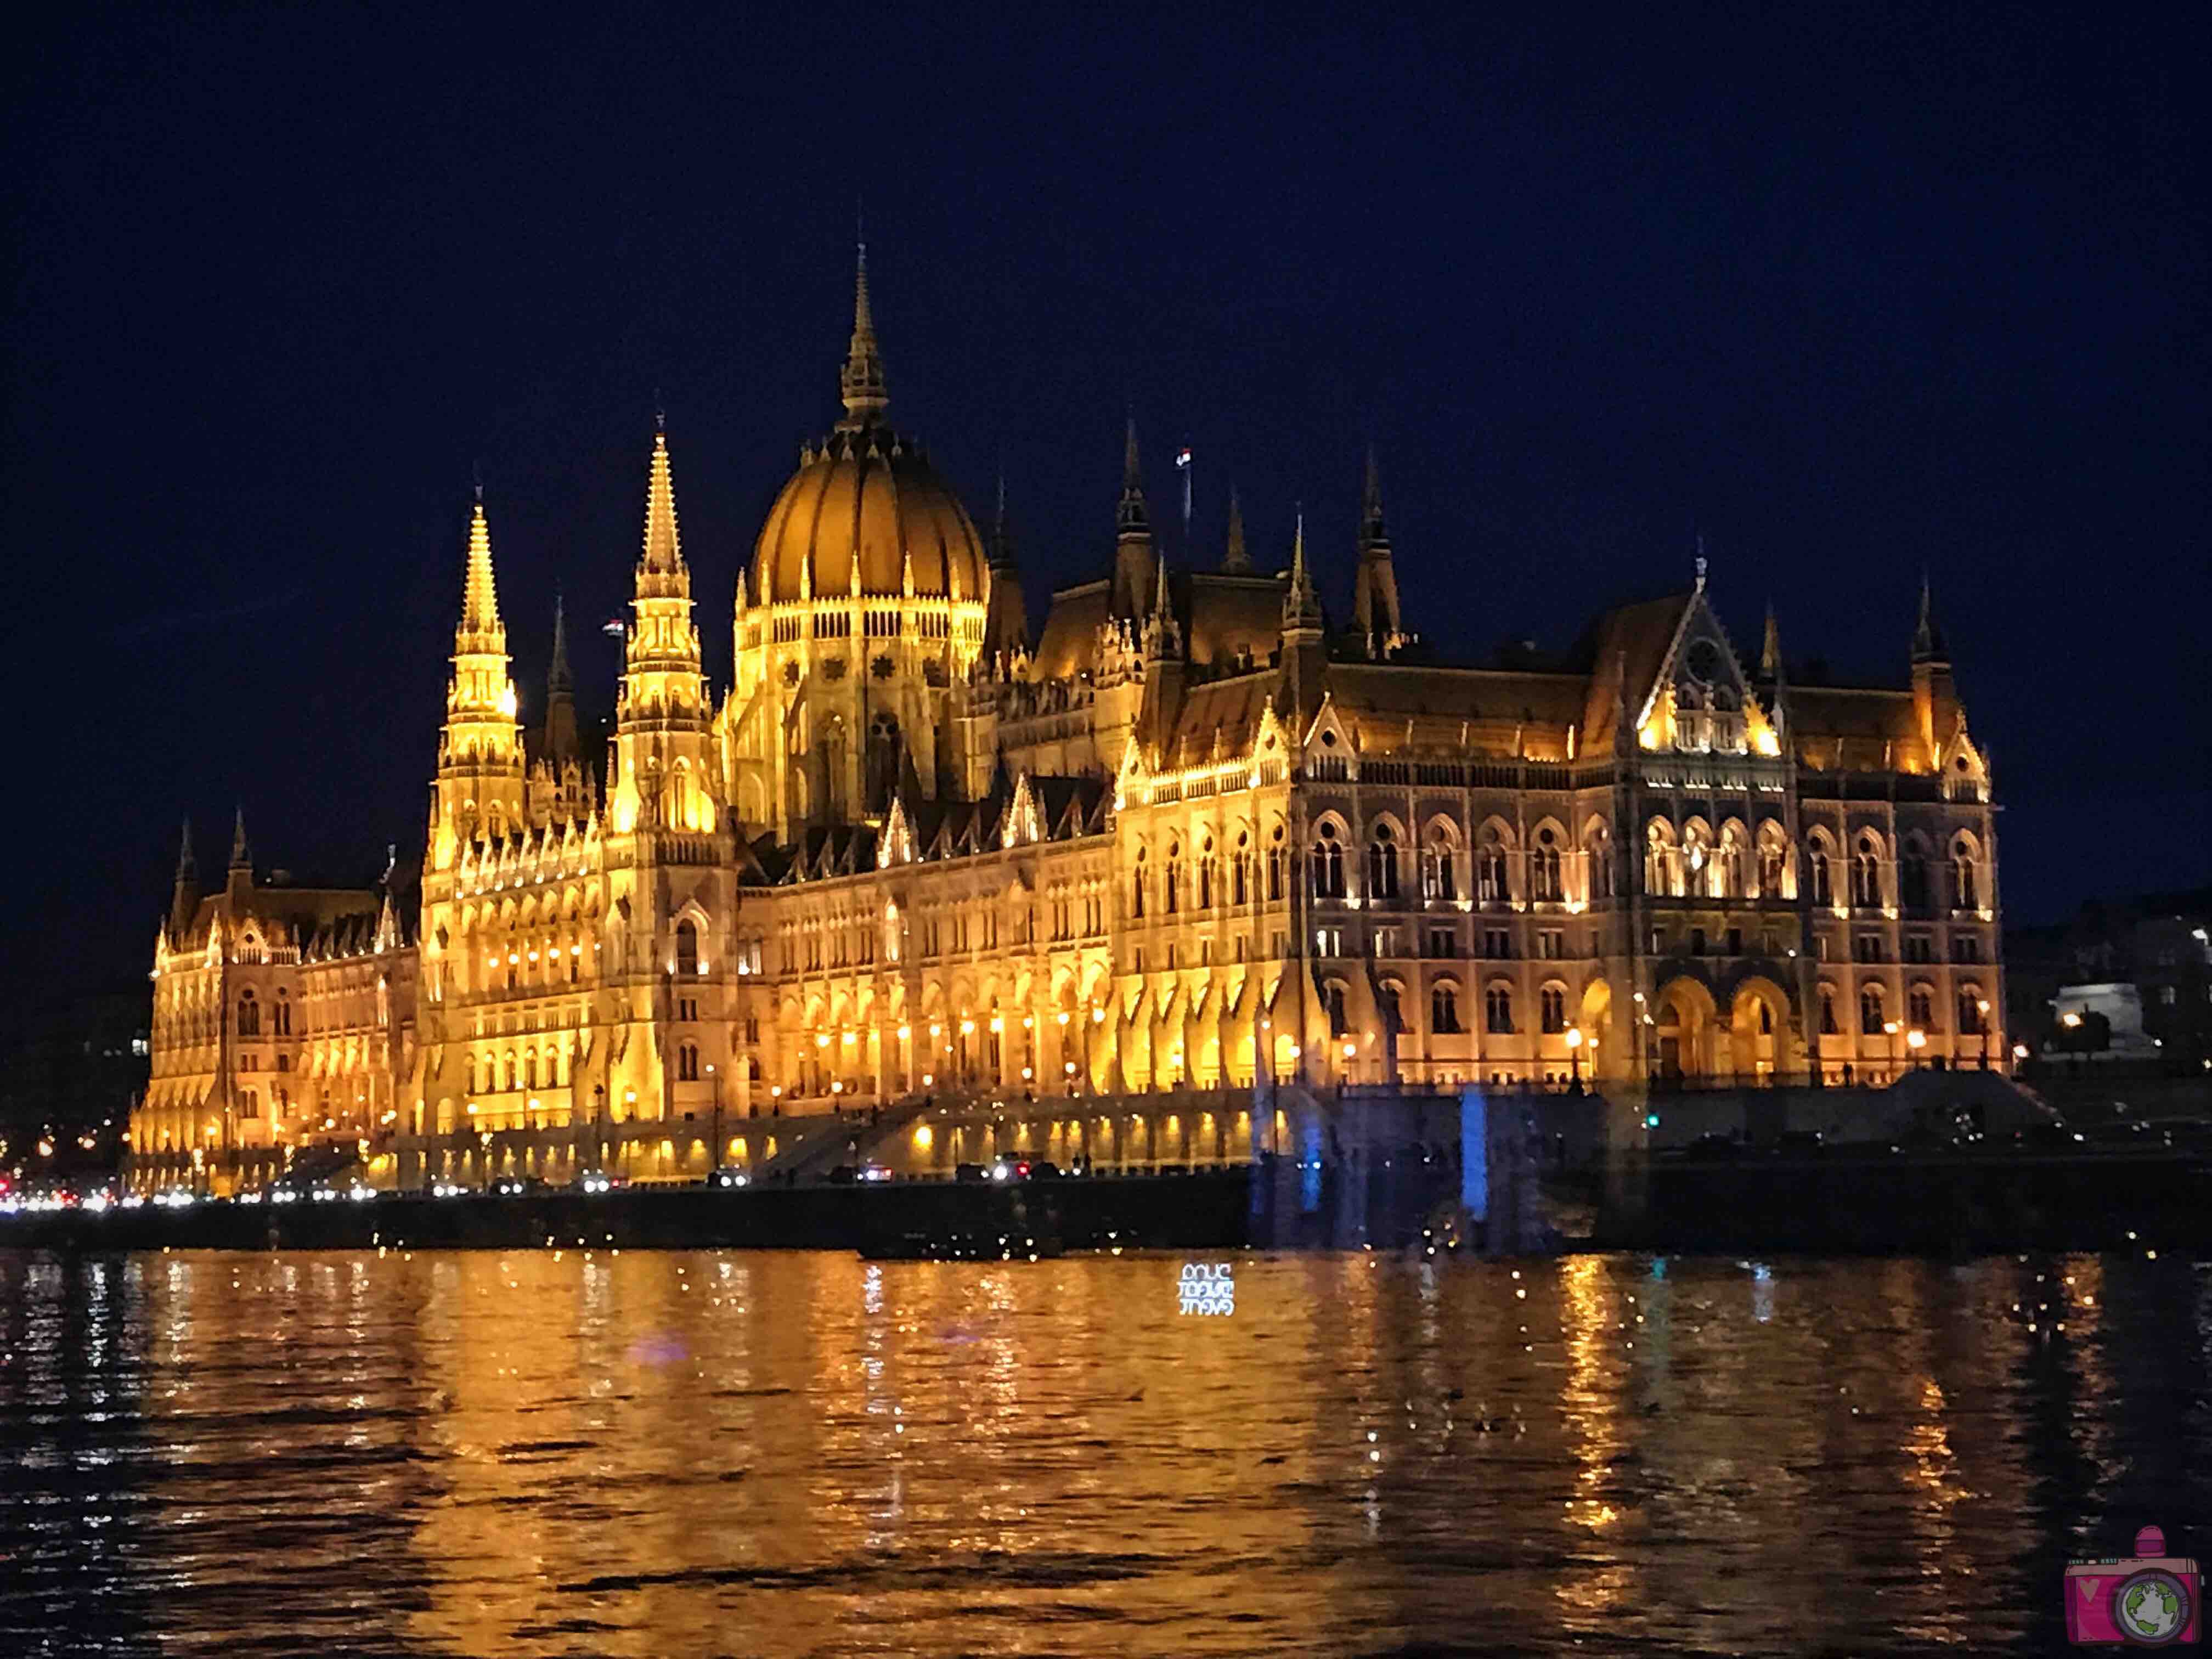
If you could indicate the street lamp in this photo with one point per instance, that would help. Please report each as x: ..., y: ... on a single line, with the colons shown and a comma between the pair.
x: 714, y: 1154
x: 1574, y: 1060
x: 1982, y: 1007
x: 1916, y: 1039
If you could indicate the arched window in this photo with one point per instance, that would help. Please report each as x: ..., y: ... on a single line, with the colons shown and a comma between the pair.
x: 1920, y: 1008
x: 1328, y: 865
x: 1551, y: 1008
x: 1727, y: 868
x: 1870, y: 1014
x: 1598, y: 850
x: 1171, y: 876
x: 1382, y: 864
x: 1439, y: 872
x: 1971, y: 1021
x: 1443, y: 1008
x: 1137, y: 888
x: 1816, y: 866
x: 1697, y: 878
x: 1240, y: 869
x: 1205, y: 874
x: 1773, y: 861
x: 249, y: 1015
x: 249, y: 1103
x: 1912, y: 878
x: 687, y: 1062
x: 1275, y: 865
x: 1866, y: 874
x: 1966, y: 877
x: 1660, y: 869
x: 1491, y: 881
x: 1332, y: 996
x: 280, y: 1014
x: 687, y: 947
x: 1544, y: 880
x: 1497, y: 1009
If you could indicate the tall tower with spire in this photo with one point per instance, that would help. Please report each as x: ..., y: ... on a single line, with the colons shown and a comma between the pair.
x: 1006, y: 623
x: 1305, y: 654
x: 664, y: 775
x: 185, y: 894
x: 1935, y: 694
x: 1375, y: 600
x: 1133, y: 537
x: 1236, y: 558
x: 866, y: 395
x: 479, y: 790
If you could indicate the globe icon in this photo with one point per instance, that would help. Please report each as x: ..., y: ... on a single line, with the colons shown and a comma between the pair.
x: 2151, y: 1606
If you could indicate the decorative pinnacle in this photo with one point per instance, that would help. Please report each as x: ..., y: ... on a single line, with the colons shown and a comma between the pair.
x: 1927, y: 643
x: 241, y: 854
x: 862, y: 382
x: 663, y: 554
x: 185, y: 865
x: 1002, y: 535
x: 558, y: 676
x: 1373, y: 531
x: 479, y: 592
x: 1770, y: 648
x: 1130, y: 517
x: 1301, y: 606
x: 1236, y: 558
x: 1701, y: 561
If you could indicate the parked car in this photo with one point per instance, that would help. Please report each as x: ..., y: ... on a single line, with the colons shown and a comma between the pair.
x: 971, y: 1172
x: 729, y: 1178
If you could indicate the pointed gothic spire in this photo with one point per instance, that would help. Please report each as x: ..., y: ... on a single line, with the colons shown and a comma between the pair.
x: 479, y: 592
x: 1928, y: 642
x: 1373, y: 531
x: 1130, y: 518
x: 1001, y: 553
x: 1301, y: 606
x: 862, y: 382
x: 558, y: 675
x: 1160, y: 605
x: 186, y: 870
x: 1237, y: 558
x: 664, y: 555
x: 1770, y: 649
x: 241, y: 854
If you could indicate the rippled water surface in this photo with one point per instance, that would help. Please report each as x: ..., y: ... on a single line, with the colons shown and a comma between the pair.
x: 660, y: 1455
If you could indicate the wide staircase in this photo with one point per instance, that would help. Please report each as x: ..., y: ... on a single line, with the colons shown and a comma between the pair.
x: 809, y: 1153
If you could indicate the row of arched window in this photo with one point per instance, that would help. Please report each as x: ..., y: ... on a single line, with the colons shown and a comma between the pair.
x: 1205, y: 878
x: 1875, y: 1017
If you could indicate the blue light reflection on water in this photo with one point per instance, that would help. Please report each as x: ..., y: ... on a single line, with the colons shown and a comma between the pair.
x: 537, y: 1456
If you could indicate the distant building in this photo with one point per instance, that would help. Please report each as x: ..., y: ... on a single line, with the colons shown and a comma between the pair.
x: 2142, y: 964
x: 1188, y: 833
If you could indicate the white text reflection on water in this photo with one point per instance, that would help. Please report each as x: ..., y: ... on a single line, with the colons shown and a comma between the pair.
x: 1207, y: 1288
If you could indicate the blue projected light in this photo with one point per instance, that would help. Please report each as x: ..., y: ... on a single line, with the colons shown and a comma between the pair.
x: 1652, y: 1119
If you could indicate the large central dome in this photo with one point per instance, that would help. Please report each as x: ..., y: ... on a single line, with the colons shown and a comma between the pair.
x: 865, y: 498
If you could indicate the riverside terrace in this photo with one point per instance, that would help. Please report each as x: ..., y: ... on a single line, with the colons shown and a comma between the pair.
x: 1814, y: 1169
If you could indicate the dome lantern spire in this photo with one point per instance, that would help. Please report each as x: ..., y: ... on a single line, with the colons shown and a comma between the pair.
x: 862, y: 380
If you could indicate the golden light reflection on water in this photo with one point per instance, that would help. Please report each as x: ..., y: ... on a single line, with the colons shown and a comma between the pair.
x: 644, y: 1455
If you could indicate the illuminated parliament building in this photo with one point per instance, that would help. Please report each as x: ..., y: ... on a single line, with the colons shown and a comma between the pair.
x: 1078, y: 887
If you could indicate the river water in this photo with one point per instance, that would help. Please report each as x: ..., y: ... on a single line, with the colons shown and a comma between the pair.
x: 652, y: 1455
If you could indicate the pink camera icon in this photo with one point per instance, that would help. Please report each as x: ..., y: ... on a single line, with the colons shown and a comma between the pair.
x: 2148, y: 1600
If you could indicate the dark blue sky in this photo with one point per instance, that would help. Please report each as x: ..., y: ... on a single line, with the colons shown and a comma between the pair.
x: 1854, y: 291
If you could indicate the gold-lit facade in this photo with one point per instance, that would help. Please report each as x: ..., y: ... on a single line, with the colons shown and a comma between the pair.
x: 1185, y: 836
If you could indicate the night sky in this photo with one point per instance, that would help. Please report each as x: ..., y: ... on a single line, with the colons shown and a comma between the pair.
x: 1852, y: 292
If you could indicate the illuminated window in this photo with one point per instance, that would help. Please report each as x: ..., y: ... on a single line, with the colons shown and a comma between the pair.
x: 1497, y: 1009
